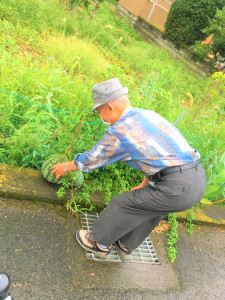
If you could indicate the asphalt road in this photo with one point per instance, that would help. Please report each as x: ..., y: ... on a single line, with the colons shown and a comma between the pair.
x: 38, y: 250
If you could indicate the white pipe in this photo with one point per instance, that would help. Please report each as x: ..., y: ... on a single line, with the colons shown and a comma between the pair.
x: 168, y: 2
x: 151, y: 12
x: 155, y: 3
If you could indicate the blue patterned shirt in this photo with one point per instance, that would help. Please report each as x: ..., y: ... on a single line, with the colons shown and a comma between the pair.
x: 141, y: 139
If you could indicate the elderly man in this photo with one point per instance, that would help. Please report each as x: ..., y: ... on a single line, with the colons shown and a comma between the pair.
x: 174, y: 179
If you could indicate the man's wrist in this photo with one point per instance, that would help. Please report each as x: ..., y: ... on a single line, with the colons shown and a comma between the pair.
x: 71, y: 166
x: 145, y: 181
x: 65, y: 167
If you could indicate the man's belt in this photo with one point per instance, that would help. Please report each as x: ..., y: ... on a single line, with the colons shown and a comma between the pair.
x: 169, y: 170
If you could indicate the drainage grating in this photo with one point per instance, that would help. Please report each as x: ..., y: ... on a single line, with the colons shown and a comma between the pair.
x: 145, y: 253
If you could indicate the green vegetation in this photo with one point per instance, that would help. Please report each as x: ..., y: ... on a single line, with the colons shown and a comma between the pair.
x: 172, y: 237
x: 189, y: 223
x: 216, y: 178
x: 53, y: 56
x: 217, y: 28
x: 187, y: 19
x: 81, y: 3
x: 200, y: 50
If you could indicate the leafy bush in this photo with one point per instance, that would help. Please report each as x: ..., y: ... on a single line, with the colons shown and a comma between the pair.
x: 215, y: 167
x: 187, y: 19
x: 200, y: 50
x: 217, y: 28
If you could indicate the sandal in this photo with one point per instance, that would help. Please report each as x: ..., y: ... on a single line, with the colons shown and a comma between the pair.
x: 86, y: 240
x: 124, y: 252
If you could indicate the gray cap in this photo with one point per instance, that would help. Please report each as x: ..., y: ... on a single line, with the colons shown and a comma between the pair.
x: 107, y: 91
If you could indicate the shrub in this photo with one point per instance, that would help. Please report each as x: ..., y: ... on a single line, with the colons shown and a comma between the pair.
x: 187, y: 19
x: 200, y: 50
x: 217, y: 28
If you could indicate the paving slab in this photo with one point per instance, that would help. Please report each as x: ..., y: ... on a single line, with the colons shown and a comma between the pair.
x: 123, y: 276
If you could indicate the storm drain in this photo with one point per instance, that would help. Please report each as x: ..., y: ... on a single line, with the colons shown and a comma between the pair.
x: 145, y: 253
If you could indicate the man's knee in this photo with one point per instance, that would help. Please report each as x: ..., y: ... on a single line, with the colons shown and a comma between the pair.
x: 121, y: 199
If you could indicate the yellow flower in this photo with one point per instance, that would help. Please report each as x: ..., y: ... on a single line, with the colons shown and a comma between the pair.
x: 217, y: 74
x: 108, y: 26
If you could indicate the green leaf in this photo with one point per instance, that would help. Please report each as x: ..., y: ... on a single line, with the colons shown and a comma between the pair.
x: 210, y: 189
x: 220, y: 178
x: 205, y: 201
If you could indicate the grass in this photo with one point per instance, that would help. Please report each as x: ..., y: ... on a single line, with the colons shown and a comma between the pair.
x: 54, y: 56
x: 96, y: 53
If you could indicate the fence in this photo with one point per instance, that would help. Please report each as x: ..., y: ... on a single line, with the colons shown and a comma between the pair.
x: 31, y: 131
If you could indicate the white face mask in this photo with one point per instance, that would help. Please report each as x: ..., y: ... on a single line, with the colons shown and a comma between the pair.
x: 106, y: 123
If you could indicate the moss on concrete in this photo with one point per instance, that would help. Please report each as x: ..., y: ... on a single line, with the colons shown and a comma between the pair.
x: 27, y: 184
x: 214, y: 215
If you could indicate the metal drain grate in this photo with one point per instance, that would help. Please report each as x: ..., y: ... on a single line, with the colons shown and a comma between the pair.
x: 145, y: 253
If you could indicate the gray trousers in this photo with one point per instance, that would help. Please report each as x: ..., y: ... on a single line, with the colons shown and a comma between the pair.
x: 131, y: 216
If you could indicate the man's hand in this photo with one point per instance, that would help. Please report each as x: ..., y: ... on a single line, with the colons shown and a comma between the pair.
x: 59, y: 169
x: 63, y: 168
x: 143, y: 184
x: 137, y: 187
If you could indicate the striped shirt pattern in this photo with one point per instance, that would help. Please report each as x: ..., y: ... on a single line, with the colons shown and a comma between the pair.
x: 141, y: 139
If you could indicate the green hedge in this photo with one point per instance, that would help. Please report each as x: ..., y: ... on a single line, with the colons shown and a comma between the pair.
x: 187, y: 19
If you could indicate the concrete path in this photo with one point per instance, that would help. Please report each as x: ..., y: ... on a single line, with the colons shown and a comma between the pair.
x: 40, y: 253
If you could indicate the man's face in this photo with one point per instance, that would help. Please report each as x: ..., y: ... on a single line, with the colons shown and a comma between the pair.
x: 105, y: 112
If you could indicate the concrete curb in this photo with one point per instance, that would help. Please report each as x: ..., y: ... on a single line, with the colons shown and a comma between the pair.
x: 28, y: 184
x: 209, y: 214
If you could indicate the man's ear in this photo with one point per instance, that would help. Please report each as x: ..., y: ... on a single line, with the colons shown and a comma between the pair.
x: 111, y: 107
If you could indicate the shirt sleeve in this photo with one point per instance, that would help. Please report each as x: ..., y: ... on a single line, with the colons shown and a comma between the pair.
x: 108, y: 150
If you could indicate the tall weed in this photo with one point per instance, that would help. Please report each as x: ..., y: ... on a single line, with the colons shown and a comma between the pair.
x: 54, y: 56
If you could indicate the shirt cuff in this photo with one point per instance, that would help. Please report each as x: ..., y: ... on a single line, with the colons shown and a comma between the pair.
x: 80, y: 166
